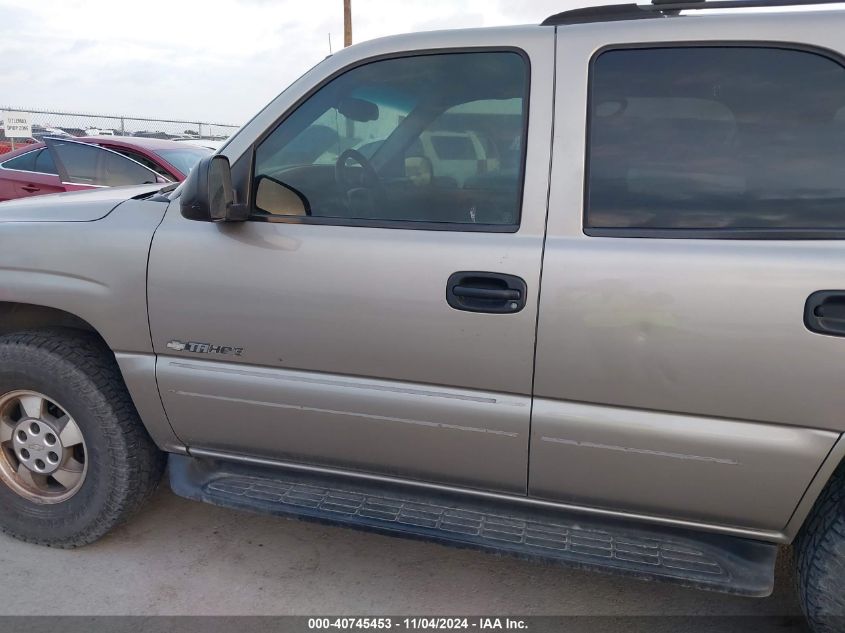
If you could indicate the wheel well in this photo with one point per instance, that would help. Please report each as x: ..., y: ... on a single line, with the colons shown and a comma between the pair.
x: 15, y: 317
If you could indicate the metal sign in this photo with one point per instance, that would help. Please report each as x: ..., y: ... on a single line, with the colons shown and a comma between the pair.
x: 17, y: 124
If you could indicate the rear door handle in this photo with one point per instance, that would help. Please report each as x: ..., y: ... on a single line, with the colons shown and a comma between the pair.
x: 824, y: 312
x: 492, y: 293
x: 31, y: 188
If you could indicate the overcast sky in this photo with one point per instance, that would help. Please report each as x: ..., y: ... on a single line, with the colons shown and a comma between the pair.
x: 218, y: 60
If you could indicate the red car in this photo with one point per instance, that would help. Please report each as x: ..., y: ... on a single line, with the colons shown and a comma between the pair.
x: 73, y: 164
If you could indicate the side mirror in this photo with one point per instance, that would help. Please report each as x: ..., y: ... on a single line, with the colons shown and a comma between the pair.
x: 208, y: 195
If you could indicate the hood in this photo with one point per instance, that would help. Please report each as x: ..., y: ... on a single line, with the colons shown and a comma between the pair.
x: 77, y: 206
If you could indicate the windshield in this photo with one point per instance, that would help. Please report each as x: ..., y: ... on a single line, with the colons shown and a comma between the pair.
x: 184, y: 159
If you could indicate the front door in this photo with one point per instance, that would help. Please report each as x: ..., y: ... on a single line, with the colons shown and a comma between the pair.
x: 377, y: 312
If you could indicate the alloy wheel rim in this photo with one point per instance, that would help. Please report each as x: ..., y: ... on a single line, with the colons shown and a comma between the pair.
x: 43, y: 457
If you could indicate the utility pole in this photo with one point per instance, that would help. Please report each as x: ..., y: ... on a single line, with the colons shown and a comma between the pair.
x: 347, y: 23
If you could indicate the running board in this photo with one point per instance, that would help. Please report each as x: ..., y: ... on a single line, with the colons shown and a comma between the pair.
x: 693, y: 559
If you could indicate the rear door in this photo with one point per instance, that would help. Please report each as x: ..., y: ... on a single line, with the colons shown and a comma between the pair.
x: 370, y: 315
x: 675, y: 374
x: 29, y: 174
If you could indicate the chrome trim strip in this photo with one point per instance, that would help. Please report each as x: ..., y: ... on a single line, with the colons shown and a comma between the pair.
x: 334, y: 382
x: 365, y: 416
x: 85, y: 184
x: 762, y: 535
x: 640, y: 451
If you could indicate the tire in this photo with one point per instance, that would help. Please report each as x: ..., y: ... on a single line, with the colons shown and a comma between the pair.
x: 820, y: 559
x: 122, y: 465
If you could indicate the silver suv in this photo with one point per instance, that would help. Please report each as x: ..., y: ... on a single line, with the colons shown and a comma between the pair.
x: 617, y: 345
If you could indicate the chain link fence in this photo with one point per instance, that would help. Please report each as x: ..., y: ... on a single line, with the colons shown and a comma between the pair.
x: 50, y: 123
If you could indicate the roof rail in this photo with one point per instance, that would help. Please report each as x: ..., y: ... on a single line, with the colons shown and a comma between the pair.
x: 665, y: 8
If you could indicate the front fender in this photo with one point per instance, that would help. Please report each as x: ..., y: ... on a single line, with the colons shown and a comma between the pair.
x: 96, y: 270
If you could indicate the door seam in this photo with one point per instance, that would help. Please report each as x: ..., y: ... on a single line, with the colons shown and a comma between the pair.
x: 542, y: 262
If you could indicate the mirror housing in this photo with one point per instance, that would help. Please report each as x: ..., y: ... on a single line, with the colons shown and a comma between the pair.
x: 358, y: 110
x: 208, y: 195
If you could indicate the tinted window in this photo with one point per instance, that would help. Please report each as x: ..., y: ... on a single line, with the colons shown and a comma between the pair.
x: 402, y: 140
x: 140, y: 158
x: 453, y: 147
x: 44, y: 163
x: 92, y: 165
x: 716, y: 138
x: 24, y: 162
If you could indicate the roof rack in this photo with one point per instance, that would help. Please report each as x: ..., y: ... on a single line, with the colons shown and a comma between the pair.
x: 665, y: 8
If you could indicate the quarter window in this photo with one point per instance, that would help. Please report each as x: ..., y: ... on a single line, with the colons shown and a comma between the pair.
x: 24, y: 162
x: 716, y: 138
x: 412, y: 139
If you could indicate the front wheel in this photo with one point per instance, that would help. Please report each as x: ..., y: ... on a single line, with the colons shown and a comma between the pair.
x: 75, y: 459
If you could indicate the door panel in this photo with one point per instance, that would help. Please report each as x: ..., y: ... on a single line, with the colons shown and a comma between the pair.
x: 709, y: 328
x: 345, y: 302
x: 676, y: 377
x: 468, y: 437
x: 642, y: 461
x: 7, y: 187
x: 331, y: 343
x: 33, y: 184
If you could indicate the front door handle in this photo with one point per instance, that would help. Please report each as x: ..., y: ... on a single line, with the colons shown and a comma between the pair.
x: 493, y: 293
x: 824, y: 312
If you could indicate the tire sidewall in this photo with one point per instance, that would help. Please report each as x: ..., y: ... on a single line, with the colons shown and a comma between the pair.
x: 36, y: 369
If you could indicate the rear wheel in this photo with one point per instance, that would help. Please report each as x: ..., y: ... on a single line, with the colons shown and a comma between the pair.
x: 820, y: 559
x: 75, y: 459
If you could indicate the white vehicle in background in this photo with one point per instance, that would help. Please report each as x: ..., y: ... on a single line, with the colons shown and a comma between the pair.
x: 213, y: 144
x: 462, y: 155
x: 457, y: 156
x: 56, y: 132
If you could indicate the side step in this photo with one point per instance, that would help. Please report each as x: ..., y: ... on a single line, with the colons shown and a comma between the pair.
x: 694, y: 559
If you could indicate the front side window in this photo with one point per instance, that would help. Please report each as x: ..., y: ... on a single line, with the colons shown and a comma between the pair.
x: 434, y: 139
x: 716, y: 138
x: 143, y: 160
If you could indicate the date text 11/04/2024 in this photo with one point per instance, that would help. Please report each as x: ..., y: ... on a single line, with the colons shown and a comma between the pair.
x: 424, y: 623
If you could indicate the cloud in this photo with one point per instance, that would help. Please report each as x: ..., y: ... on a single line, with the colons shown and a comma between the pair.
x: 217, y: 61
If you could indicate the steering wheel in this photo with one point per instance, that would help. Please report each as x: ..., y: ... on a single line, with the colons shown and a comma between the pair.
x: 341, y: 171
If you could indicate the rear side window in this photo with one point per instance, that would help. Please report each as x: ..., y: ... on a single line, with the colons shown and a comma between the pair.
x: 24, y: 162
x: 716, y: 138
x: 44, y: 163
x: 91, y: 165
